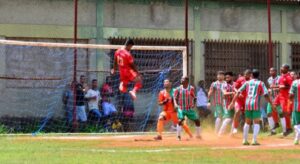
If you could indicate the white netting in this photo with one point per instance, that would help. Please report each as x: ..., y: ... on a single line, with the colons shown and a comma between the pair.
x: 34, y: 78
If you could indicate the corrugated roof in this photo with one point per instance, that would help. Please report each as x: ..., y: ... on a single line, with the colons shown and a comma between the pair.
x: 288, y: 2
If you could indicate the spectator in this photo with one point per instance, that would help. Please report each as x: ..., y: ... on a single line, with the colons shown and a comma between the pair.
x: 202, y: 100
x: 80, y: 100
x: 93, y: 98
x: 127, y: 107
x: 106, y: 94
x: 68, y: 101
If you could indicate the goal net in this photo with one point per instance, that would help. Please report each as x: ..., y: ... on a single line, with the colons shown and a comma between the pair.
x: 37, y: 88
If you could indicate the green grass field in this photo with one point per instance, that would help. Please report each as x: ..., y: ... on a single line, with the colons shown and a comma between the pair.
x: 27, y: 149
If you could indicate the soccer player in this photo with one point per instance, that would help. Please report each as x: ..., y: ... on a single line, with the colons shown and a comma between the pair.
x: 295, y: 97
x: 240, y: 103
x: 165, y: 99
x: 128, y: 70
x: 282, y: 99
x: 228, y: 93
x: 184, y: 101
x: 254, y: 90
x: 216, y: 93
x: 273, y: 83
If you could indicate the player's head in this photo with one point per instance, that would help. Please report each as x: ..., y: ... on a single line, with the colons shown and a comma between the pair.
x: 185, y: 80
x: 294, y: 75
x: 285, y: 68
x: 273, y: 71
x: 201, y: 84
x: 94, y: 83
x: 82, y: 79
x: 229, y: 77
x: 255, y: 73
x: 247, y: 74
x: 167, y: 83
x: 129, y: 44
x: 220, y: 75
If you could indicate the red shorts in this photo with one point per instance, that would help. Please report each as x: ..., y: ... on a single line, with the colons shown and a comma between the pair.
x: 240, y: 105
x: 128, y: 76
x: 283, y: 102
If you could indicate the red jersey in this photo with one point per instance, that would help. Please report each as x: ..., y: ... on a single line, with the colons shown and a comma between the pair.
x: 286, y: 80
x: 237, y: 85
x: 124, y: 60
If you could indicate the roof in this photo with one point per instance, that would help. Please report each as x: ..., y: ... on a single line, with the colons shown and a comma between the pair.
x: 287, y: 2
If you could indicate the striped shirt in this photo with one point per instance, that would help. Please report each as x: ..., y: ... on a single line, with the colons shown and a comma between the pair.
x: 295, y: 90
x: 185, y: 97
x: 254, y: 89
x: 218, y: 96
x: 273, y: 81
x: 228, y: 98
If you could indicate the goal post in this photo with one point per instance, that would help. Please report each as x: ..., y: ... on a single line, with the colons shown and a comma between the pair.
x: 36, y: 76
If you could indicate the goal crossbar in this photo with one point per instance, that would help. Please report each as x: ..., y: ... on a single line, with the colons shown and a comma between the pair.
x: 101, y: 46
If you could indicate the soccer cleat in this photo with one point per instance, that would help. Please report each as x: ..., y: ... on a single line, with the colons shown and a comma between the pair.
x: 246, y: 143
x: 272, y: 133
x: 255, y: 143
x: 296, y: 142
x: 179, y: 138
x: 158, y: 138
x: 122, y: 88
x: 275, y: 127
x: 133, y: 95
x: 234, y: 131
x: 288, y: 132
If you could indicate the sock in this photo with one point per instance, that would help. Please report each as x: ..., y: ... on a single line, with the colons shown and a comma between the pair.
x: 179, y: 130
x: 217, y: 124
x: 198, y: 131
x: 283, y: 124
x: 224, y: 125
x: 298, y: 130
x: 187, y: 130
x: 246, y: 131
x: 271, y: 122
x: 235, y: 123
x: 288, y: 121
x: 275, y: 116
x: 296, y: 133
x: 256, y: 129
x: 137, y: 86
x: 160, y: 127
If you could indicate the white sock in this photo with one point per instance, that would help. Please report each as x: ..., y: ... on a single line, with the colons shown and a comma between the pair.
x: 256, y: 129
x: 246, y: 131
x: 217, y: 124
x: 298, y: 130
x: 198, y: 131
x: 271, y: 122
x: 178, y: 128
x: 296, y: 133
x: 283, y: 124
x: 224, y: 125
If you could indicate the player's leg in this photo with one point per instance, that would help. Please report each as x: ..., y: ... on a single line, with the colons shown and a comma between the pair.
x: 218, y: 115
x: 174, y: 118
x: 192, y: 115
x: 137, y: 79
x: 246, y: 127
x: 285, y: 121
x: 180, y: 116
x: 256, y: 114
x: 296, y: 122
x: 288, y: 119
x: 228, y: 115
x: 271, y: 119
x: 238, y: 108
x: 160, y: 125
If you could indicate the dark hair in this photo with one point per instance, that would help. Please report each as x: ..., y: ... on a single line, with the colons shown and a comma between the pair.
x: 229, y: 73
x: 221, y: 73
x: 94, y: 80
x: 129, y: 42
x: 255, y: 73
x: 186, y: 78
x: 81, y: 76
x: 286, y: 66
x: 273, y: 68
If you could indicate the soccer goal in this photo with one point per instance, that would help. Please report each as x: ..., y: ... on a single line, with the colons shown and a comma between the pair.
x: 37, y: 89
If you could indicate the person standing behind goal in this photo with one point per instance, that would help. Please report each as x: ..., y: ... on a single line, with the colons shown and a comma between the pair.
x: 184, y: 101
x: 128, y: 70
